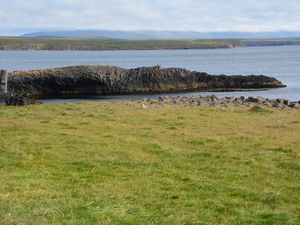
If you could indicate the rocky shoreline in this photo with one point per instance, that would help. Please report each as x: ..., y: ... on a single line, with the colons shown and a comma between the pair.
x: 15, y: 100
x: 26, y: 87
x: 224, y: 102
x: 205, y: 101
x: 79, y: 81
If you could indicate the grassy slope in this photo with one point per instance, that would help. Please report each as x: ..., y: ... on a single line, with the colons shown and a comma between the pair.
x: 107, y: 44
x: 13, y: 43
x: 115, y: 163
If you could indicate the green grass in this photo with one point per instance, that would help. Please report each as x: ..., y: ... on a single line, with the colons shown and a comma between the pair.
x: 54, y: 43
x: 116, y: 163
x: 11, y: 43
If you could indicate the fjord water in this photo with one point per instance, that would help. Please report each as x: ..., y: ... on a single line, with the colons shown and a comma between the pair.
x: 282, y: 62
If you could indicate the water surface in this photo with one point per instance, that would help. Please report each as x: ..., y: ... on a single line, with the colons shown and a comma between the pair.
x: 282, y: 62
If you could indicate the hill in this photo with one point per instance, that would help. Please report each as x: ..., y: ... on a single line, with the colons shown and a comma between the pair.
x: 98, y: 44
x: 163, y: 34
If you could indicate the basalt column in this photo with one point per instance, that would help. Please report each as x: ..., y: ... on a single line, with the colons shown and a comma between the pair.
x: 3, y: 82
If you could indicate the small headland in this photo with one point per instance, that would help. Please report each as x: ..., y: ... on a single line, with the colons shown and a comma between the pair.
x: 27, y: 87
x: 76, y: 81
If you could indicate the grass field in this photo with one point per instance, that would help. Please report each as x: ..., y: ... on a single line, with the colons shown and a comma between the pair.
x: 17, y: 43
x: 116, y: 163
x: 108, y: 44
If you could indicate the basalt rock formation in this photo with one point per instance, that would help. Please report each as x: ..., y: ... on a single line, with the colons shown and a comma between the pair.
x: 78, y: 81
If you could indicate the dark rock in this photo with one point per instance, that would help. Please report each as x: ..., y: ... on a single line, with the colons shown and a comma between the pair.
x: 107, y: 80
x: 20, y: 101
x: 280, y: 101
x: 160, y: 98
x: 213, y: 98
x: 286, y: 102
x: 252, y: 99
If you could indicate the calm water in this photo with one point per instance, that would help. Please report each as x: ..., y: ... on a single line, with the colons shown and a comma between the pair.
x: 282, y: 62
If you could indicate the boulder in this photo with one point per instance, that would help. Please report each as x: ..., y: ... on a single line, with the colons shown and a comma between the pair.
x: 253, y: 99
x: 276, y: 104
x: 286, y: 102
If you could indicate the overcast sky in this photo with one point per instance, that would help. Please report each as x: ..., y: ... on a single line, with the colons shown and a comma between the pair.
x: 19, y: 16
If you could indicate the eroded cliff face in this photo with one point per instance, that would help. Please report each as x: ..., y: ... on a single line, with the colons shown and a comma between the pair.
x: 106, y: 80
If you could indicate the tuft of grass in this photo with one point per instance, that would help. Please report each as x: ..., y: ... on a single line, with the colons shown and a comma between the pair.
x: 290, y: 166
x: 273, y: 219
x: 259, y: 109
x: 116, y: 163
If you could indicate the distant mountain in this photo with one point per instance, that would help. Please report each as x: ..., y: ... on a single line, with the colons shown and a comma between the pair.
x: 164, y: 34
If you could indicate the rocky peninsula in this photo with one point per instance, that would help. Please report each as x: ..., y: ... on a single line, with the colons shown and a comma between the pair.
x: 77, y: 81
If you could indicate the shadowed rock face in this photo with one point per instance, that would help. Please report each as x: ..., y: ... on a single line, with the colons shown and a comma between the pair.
x: 106, y: 80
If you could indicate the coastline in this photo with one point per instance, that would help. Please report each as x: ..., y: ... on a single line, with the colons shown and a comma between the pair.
x: 76, y: 81
x: 196, y: 100
x: 212, y: 101
x: 101, y: 44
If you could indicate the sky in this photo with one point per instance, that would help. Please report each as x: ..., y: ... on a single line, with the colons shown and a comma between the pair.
x: 22, y: 16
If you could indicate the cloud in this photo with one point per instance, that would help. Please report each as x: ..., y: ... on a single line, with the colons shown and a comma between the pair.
x: 17, y: 16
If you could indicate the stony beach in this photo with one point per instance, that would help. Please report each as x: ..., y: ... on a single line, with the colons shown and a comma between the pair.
x: 214, y: 101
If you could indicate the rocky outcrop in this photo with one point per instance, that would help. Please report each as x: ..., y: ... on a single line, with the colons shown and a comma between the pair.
x: 107, y: 80
x: 14, y: 100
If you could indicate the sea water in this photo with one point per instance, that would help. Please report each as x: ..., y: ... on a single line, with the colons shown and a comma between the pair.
x: 281, y: 62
